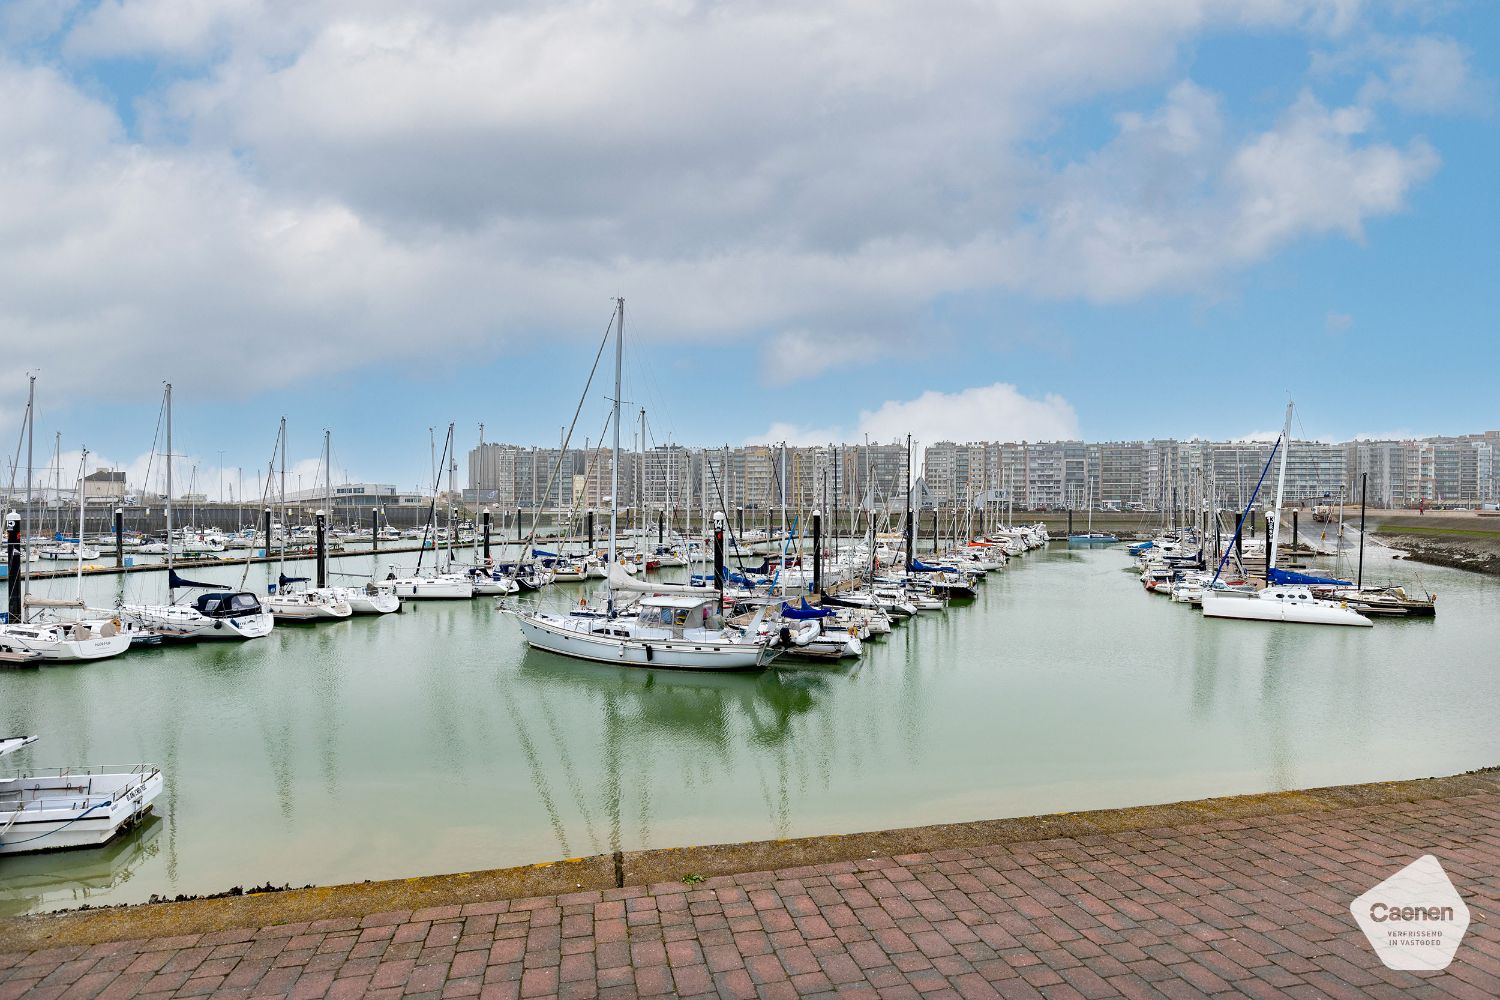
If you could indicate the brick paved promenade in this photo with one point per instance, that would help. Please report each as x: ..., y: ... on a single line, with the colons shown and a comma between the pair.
x: 1255, y: 906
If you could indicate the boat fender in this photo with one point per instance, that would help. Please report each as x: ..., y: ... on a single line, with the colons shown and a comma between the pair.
x: 649, y: 654
x: 583, y: 602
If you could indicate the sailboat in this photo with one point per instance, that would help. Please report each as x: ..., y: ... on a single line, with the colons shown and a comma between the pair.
x: 314, y: 604
x: 1286, y: 597
x: 56, y: 640
x: 433, y: 584
x: 679, y: 629
x: 1090, y: 536
x: 218, y: 614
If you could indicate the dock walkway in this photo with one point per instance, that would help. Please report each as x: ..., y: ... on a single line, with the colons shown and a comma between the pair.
x: 1247, y: 896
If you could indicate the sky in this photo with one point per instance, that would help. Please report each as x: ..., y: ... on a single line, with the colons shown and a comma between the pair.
x: 964, y: 219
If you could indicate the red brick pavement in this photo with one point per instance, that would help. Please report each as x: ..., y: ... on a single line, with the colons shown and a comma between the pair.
x: 1254, y: 907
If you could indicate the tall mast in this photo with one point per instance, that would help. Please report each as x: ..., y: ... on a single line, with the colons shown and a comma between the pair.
x: 83, y: 467
x: 452, y: 467
x: 169, y: 494
x: 57, y: 478
x: 328, y: 472
x: 641, y: 483
x: 614, y: 466
x: 26, y: 539
x: 282, y: 570
x: 1286, y: 436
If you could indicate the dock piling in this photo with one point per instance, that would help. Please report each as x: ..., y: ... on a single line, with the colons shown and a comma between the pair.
x: 321, y: 520
x: 13, y: 565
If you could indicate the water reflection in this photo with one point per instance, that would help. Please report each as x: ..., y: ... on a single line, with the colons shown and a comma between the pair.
x: 36, y: 881
x: 710, y: 727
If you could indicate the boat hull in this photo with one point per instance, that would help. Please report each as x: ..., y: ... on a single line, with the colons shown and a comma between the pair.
x: 434, y: 590
x: 65, y: 649
x: 1256, y: 609
x: 63, y: 811
x: 181, y: 623
x: 657, y: 654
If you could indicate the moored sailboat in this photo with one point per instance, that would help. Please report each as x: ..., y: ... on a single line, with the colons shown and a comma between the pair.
x: 680, y: 630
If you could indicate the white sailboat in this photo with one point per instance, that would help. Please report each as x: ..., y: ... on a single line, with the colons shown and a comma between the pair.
x: 219, y: 614
x: 50, y: 809
x: 56, y: 640
x: 1278, y: 602
x: 67, y: 548
x: 313, y: 604
x: 674, y: 630
x: 374, y: 598
x: 433, y: 584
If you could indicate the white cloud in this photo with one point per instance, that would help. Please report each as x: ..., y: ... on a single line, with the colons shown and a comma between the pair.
x: 1430, y: 75
x: 795, y: 434
x: 997, y: 412
x: 344, y: 181
x: 1336, y: 322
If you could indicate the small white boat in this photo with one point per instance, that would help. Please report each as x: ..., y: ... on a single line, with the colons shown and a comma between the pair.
x: 46, y: 810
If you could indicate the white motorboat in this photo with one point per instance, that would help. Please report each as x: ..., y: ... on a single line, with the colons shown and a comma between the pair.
x: 46, y: 810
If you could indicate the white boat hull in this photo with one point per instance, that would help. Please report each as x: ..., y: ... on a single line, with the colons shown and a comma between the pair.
x: 178, y: 622
x: 60, y: 645
x: 434, y: 589
x: 56, y: 811
x: 364, y: 602
x: 1253, y: 608
x: 670, y: 654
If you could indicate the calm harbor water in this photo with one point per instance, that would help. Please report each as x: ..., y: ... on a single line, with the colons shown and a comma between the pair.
x: 433, y: 741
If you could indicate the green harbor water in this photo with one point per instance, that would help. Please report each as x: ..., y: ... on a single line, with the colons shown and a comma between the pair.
x: 433, y: 741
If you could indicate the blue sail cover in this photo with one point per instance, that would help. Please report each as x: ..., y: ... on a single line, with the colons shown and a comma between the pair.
x: 283, y: 579
x: 58, y: 536
x: 1303, y: 579
x: 804, y: 613
x: 549, y: 555
x: 174, y: 581
x: 921, y: 567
